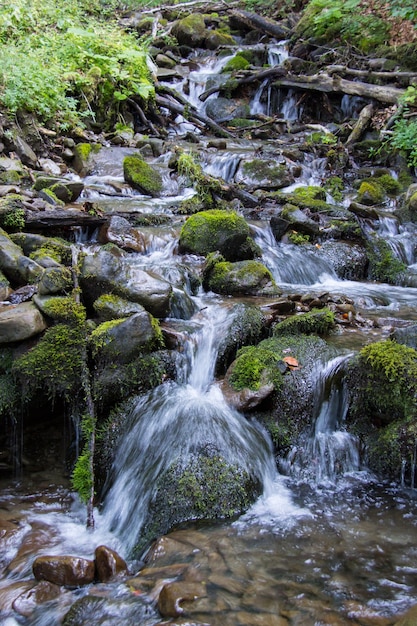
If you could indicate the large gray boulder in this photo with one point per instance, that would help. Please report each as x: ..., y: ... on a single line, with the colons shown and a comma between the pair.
x: 17, y: 267
x: 111, y: 271
x: 19, y: 322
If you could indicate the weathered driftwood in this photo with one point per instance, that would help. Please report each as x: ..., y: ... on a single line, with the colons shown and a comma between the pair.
x: 249, y: 77
x: 258, y: 22
x: 189, y: 112
x: 389, y: 76
x: 145, y: 121
x: 361, y: 125
x: 325, y: 83
x: 62, y: 217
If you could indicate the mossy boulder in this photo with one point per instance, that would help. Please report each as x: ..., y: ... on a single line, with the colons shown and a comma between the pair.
x: 110, y: 306
x: 216, y: 230
x: 383, y: 265
x: 315, y: 322
x: 109, y: 270
x: 34, y: 244
x: 122, y: 340
x: 205, y: 486
x: 236, y: 63
x: 83, y: 157
x: 238, y: 279
x: 63, y: 189
x: 17, y: 267
x: 12, y: 213
x: 190, y: 30
x: 216, y: 38
x: 55, y: 280
x: 142, y: 176
x: 264, y: 174
x: 371, y: 193
x: 247, y: 328
x: 382, y: 384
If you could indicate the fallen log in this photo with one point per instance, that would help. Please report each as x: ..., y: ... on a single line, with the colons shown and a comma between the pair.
x: 343, y: 69
x: 264, y: 24
x: 327, y: 84
x: 62, y: 217
x: 361, y: 125
x: 190, y: 113
x: 250, y: 77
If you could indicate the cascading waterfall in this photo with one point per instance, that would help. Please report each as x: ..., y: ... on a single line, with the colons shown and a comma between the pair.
x: 330, y: 451
x: 176, y: 420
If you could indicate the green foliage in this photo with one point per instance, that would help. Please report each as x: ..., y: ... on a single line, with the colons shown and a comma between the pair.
x: 206, y: 186
x: 334, y: 185
x: 404, y: 9
x: 254, y: 367
x: 61, y: 71
x: 81, y: 478
x: 321, y: 138
x: 340, y: 19
x: 404, y: 139
x: 298, y: 238
x: 383, y: 265
x: 315, y: 322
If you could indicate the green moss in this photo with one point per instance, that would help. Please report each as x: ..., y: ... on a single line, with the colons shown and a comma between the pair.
x: 206, y: 187
x: 298, y: 238
x: 238, y: 62
x: 262, y: 169
x: 242, y: 277
x: 54, y: 363
x: 334, y: 185
x: 65, y: 309
x: 315, y: 322
x: 212, y: 230
x: 322, y: 138
x: 101, y: 336
x: 141, y: 175
x: 383, y: 265
x: 83, y: 150
x: 371, y: 192
x: 12, y: 213
x: 255, y: 366
x: 10, y: 177
x: 247, y: 328
x: 391, y: 185
x: 310, y: 192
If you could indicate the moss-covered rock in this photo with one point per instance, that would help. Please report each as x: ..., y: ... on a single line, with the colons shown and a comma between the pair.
x: 110, y: 306
x: 370, y: 193
x: 236, y: 63
x: 315, y: 322
x: 382, y: 383
x: 208, y: 231
x: 247, y: 328
x: 383, y: 265
x: 142, y: 176
x: 264, y: 174
x: 216, y: 38
x: 239, y: 278
x: 12, y: 213
x: 60, y: 188
x: 190, y: 30
x: 205, y: 486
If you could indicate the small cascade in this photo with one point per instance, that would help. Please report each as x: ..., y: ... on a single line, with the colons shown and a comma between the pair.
x: 330, y: 452
x: 175, y: 421
x: 290, y: 108
x: 259, y: 104
x: 290, y: 264
x: 222, y: 165
x: 277, y: 53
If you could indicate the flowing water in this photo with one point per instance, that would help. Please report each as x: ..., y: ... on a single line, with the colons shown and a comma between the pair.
x: 325, y: 544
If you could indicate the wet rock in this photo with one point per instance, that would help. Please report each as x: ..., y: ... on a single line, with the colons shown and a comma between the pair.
x: 9, y: 594
x: 23, y: 294
x: 214, y: 230
x: 142, y: 176
x: 246, y: 399
x: 110, y: 307
x: 240, y: 278
x: 16, y: 266
x: 70, y: 571
x: 264, y: 174
x: 108, y: 271
x: 26, y: 603
x: 406, y: 336
x: 109, y: 564
x: 64, y: 189
x: 110, y: 611
x: 19, y: 322
x: 223, y: 110
x: 190, y: 30
x: 120, y: 232
x: 173, y: 595
x: 55, y: 280
x: 122, y: 340
x: 409, y: 619
x: 349, y: 261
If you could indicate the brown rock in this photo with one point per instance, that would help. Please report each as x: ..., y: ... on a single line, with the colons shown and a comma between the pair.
x: 71, y: 571
x: 109, y: 564
x: 26, y: 603
x: 173, y: 594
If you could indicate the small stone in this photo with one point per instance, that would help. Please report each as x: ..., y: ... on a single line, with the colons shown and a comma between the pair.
x: 70, y: 571
x: 109, y: 564
x: 173, y: 594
